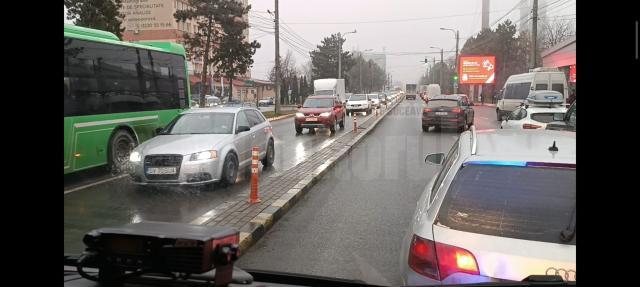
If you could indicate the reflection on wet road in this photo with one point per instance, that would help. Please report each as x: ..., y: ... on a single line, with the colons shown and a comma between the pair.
x: 119, y: 202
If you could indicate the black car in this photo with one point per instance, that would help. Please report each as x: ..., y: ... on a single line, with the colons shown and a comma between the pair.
x: 568, y: 123
x: 448, y: 111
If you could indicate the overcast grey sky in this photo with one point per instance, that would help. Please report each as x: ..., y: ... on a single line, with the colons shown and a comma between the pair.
x: 397, y: 36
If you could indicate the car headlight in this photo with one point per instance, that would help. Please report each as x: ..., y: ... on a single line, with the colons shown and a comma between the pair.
x: 299, y: 115
x: 135, y: 157
x: 207, y: 154
x: 325, y: 114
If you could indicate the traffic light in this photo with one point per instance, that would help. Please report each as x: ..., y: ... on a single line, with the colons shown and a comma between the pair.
x: 455, y: 78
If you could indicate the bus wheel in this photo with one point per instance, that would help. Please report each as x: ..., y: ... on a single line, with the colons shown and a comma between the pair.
x: 120, y: 146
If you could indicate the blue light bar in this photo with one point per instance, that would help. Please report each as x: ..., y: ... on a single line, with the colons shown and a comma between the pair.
x: 521, y: 163
x: 496, y: 162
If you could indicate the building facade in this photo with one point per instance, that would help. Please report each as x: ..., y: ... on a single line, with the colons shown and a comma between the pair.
x: 153, y: 20
x: 563, y: 57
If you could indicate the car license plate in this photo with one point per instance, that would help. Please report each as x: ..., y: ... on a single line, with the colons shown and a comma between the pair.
x: 441, y: 113
x: 312, y: 119
x: 161, y: 170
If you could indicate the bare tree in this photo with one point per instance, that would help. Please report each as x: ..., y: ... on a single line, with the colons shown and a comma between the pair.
x: 555, y: 32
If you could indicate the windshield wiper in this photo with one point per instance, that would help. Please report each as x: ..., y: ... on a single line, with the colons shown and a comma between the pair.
x: 568, y: 233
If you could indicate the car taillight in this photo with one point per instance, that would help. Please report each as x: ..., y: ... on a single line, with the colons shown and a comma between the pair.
x: 422, y: 257
x: 438, y: 261
x: 427, y: 110
x: 452, y: 259
x: 530, y: 126
x: 456, y: 110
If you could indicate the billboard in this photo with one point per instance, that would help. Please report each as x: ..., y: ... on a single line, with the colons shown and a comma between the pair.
x: 477, y: 69
x: 572, y: 73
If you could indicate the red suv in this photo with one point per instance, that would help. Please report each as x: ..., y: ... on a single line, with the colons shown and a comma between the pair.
x: 320, y: 112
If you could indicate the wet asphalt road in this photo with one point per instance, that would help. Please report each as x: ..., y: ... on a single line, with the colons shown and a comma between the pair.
x: 118, y: 202
x: 351, y: 223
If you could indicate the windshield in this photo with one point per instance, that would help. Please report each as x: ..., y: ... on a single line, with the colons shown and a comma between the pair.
x: 442, y: 103
x: 358, y: 98
x: 343, y: 113
x: 318, y: 103
x: 324, y: 93
x: 202, y: 123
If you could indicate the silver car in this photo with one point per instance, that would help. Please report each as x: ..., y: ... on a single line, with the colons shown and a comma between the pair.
x: 501, y: 208
x: 203, y: 146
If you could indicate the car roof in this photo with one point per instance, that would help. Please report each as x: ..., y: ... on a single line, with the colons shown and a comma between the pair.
x: 321, y: 97
x: 217, y: 110
x: 447, y: 97
x: 534, y: 109
x: 520, y: 145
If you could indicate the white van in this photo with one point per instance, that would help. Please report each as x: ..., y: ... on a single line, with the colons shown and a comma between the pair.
x: 433, y: 90
x: 517, y: 88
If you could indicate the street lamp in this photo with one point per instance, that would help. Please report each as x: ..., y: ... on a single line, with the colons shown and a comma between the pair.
x: 457, y: 35
x: 441, y: 62
x: 360, y: 65
x: 340, y: 53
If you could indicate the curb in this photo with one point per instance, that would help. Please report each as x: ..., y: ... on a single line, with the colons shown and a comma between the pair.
x: 280, y: 117
x: 258, y: 226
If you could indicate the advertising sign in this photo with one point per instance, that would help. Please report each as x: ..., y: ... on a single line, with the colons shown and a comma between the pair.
x: 572, y: 73
x: 477, y: 69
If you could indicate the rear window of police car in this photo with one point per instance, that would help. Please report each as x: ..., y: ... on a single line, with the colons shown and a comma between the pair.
x: 531, y: 203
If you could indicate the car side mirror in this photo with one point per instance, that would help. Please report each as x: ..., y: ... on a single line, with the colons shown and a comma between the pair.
x: 242, y: 129
x: 472, y: 104
x: 159, y: 131
x: 505, y: 118
x: 299, y: 106
x: 434, y: 158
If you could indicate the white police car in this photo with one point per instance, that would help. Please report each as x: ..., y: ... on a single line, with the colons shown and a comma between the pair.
x: 541, y: 108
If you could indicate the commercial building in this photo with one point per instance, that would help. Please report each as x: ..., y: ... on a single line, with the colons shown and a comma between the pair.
x: 563, y: 57
x: 153, y: 20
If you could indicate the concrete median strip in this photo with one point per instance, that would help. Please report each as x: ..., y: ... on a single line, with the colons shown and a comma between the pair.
x: 279, y: 194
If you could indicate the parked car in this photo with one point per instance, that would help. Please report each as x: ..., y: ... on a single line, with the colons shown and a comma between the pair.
x: 320, y: 112
x: 449, y: 111
x: 359, y: 103
x: 502, y: 207
x: 203, y: 146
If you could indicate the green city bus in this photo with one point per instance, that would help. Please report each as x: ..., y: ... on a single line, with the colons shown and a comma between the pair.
x: 116, y: 95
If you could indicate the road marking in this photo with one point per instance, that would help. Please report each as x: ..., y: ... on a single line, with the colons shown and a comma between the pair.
x: 94, y: 184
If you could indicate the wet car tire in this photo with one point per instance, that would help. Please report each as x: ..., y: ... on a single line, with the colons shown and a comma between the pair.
x: 425, y: 128
x: 120, y: 146
x: 298, y: 129
x: 342, y: 123
x: 229, y: 170
x: 268, y: 159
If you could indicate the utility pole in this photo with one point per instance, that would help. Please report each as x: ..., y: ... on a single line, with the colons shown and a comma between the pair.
x: 277, y: 28
x: 441, y: 65
x: 455, y: 72
x: 360, y: 65
x: 339, y: 56
x: 534, y: 34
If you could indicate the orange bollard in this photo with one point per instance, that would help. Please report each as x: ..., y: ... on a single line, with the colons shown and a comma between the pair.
x: 255, y: 157
x: 355, y: 123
